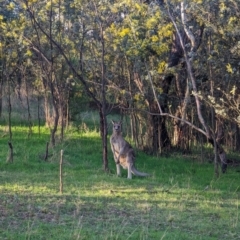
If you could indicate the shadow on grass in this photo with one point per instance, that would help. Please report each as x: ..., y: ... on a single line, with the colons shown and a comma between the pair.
x: 181, y: 200
x: 107, y: 207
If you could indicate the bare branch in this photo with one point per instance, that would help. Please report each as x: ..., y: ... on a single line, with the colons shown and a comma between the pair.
x: 37, y: 49
x: 186, y: 29
x: 90, y: 94
x: 171, y: 116
x: 154, y: 92
x: 192, y: 78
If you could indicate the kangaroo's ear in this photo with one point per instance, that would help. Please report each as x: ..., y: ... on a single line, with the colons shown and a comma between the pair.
x: 112, y: 121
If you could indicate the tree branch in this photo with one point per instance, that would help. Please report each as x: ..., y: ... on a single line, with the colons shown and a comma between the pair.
x: 186, y: 29
x: 192, y: 78
x: 90, y: 94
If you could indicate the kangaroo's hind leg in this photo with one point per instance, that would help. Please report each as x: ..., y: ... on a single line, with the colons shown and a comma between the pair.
x: 118, y: 169
x: 129, y: 167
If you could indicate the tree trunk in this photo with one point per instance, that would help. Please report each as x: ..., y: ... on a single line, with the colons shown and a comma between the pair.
x: 237, y: 139
x: 181, y: 138
x: 10, y: 153
x: 103, y: 131
x: 55, y: 103
x: 9, y: 110
x: 210, y: 136
x: 103, y: 113
x: 1, y: 90
x: 157, y: 132
x: 28, y: 107
x: 157, y: 106
x: 38, y: 115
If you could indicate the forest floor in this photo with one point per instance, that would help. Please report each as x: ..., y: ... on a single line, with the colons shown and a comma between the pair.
x: 181, y: 200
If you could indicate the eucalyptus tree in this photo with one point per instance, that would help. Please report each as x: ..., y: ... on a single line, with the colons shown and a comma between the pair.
x: 222, y: 61
x: 12, y: 53
x: 199, y: 62
x: 203, y: 60
x: 153, y: 59
x: 218, y: 60
x: 73, y: 31
x: 141, y: 38
x: 49, y: 71
x: 146, y: 36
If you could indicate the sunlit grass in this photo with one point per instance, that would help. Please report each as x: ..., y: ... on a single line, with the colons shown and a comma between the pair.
x: 181, y: 200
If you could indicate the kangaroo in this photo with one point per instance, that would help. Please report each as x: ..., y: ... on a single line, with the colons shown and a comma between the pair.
x: 123, y: 152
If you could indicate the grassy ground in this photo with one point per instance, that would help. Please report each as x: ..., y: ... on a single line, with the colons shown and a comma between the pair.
x: 181, y: 200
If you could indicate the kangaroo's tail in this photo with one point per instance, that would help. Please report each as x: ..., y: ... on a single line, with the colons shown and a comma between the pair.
x: 137, y: 173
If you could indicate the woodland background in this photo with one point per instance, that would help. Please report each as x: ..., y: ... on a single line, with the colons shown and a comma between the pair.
x: 169, y: 68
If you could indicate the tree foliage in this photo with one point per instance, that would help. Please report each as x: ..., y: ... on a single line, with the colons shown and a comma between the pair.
x: 126, y: 54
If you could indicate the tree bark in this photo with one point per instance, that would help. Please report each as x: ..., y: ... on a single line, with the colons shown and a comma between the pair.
x: 9, y: 110
x: 210, y: 136
x: 1, y: 89
x: 10, y: 153
x: 102, y: 105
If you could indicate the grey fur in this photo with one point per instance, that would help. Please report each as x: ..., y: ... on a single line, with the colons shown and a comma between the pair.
x: 123, y: 152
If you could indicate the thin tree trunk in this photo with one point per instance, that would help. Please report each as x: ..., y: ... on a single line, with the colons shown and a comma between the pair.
x: 38, y: 115
x: 54, y: 97
x: 10, y: 153
x: 103, y: 130
x: 1, y: 90
x: 67, y: 108
x: 210, y: 136
x: 28, y: 109
x: 9, y: 110
x: 237, y: 138
x: 46, y: 152
x: 61, y: 172
x: 213, y: 115
x: 216, y: 169
x: 103, y: 118
x: 136, y: 131
x: 55, y: 116
x: 62, y: 119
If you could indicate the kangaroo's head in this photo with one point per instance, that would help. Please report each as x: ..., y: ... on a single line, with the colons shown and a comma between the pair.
x: 117, y: 126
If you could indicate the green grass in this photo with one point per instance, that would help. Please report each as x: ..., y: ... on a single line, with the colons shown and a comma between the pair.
x: 181, y: 200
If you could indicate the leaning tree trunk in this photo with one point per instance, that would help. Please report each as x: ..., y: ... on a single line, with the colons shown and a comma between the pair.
x: 157, y: 134
x: 181, y: 130
x: 209, y: 134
